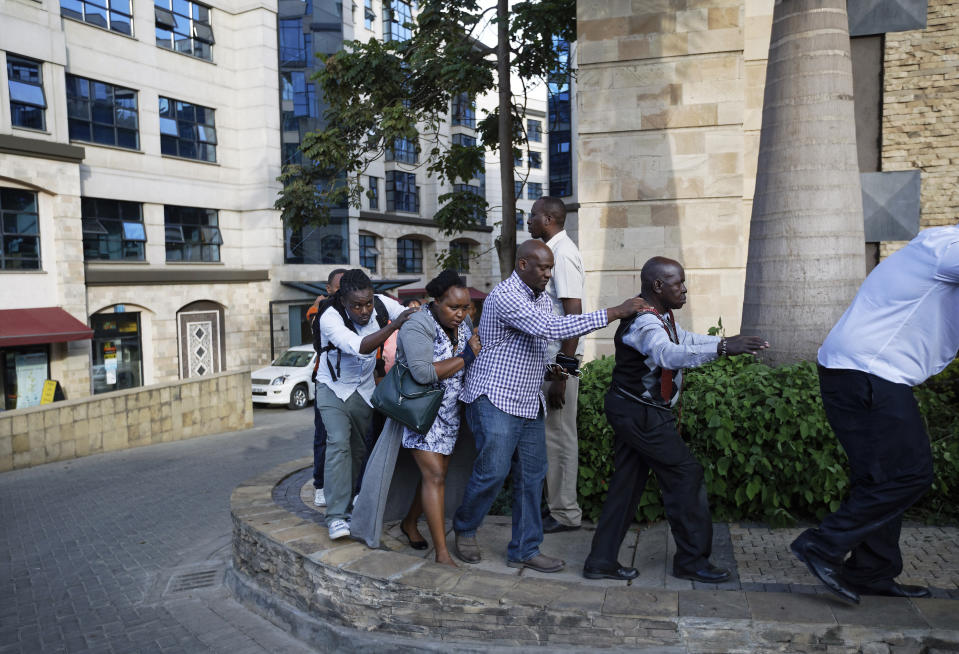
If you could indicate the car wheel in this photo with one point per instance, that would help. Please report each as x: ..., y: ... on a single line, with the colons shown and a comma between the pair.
x: 299, y: 397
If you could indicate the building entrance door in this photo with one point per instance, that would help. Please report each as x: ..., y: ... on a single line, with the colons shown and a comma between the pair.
x: 117, y: 351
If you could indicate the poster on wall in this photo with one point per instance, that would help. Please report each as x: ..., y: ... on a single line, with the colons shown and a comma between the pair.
x: 110, y: 362
x: 31, y: 373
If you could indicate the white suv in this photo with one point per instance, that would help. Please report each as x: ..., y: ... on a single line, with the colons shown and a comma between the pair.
x: 287, y: 380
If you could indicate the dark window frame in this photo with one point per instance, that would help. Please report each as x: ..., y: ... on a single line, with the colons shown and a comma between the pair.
x: 535, y: 160
x: 534, y: 190
x: 113, y: 15
x: 190, y: 35
x: 88, y: 108
x: 14, y: 229
x: 367, y: 260
x: 106, y: 233
x: 182, y: 134
x: 403, y: 150
x: 396, y: 15
x: 465, y: 249
x: 534, y: 134
x: 399, y: 195
x: 193, y: 232
x: 373, y: 192
x: 409, y: 255
x: 463, y: 111
x: 22, y: 108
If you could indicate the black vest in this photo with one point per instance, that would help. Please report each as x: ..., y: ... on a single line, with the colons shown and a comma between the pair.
x: 634, y: 375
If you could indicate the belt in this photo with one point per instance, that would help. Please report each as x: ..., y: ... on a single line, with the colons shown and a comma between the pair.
x: 626, y: 395
x: 835, y: 372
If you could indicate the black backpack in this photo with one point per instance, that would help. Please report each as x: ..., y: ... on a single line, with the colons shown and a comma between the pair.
x: 382, y: 319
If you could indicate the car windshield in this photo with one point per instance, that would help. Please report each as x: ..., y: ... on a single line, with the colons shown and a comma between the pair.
x: 294, y: 359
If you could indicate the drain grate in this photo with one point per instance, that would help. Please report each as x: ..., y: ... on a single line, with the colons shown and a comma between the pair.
x: 193, y: 581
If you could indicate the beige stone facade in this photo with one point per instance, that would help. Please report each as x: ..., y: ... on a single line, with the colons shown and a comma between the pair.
x: 920, y: 112
x: 131, y: 418
x: 669, y: 103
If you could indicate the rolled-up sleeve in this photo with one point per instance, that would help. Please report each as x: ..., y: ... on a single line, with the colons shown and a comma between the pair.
x: 416, y: 342
x: 648, y: 336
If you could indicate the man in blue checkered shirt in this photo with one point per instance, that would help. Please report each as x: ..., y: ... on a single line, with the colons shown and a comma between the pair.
x: 505, y: 407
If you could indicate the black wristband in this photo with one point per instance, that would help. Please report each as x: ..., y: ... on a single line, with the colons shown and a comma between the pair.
x: 467, y: 355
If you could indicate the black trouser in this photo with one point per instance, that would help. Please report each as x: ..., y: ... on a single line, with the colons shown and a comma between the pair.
x: 319, y: 447
x: 646, y: 437
x: 890, y: 467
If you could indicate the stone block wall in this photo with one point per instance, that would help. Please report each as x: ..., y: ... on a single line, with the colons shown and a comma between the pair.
x: 668, y: 111
x: 123, y: 419
x: 920, y: 112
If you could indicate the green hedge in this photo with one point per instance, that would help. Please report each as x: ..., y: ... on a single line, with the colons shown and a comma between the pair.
x: 762, y: 437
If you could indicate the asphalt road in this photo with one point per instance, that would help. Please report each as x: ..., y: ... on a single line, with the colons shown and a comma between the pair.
x: 125, y: 552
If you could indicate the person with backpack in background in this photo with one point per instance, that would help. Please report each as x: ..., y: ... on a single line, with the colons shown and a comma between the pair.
x: 319, y: 431
x: 347, y: 345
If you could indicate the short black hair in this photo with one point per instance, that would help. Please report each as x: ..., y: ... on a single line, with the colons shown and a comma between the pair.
x: 354, y: 280
x: 443, y: 282
x: 338, y: 271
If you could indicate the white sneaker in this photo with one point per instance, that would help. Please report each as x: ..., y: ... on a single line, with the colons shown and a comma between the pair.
x: 319, y: 498
x: 339, y: 529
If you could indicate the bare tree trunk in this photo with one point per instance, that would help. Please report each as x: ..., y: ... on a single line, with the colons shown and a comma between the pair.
x: 506, y: 243
x: 806, y: 257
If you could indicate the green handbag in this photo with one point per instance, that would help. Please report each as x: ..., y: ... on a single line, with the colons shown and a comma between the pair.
x: 405, y: 400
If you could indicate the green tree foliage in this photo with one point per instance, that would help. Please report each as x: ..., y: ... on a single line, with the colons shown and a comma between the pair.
x: 764, y: 442
x: 378, y: 92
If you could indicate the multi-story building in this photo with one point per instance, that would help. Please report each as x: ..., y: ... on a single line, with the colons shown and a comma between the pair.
x: 392, y: 235
x: 139, y: 147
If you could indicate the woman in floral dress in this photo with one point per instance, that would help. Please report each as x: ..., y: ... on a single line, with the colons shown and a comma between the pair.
x: 437, y: 344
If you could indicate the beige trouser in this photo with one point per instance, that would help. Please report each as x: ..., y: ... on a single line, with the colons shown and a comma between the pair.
x: 562, y: 456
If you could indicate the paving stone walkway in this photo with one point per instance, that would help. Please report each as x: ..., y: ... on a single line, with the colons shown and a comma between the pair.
x: 758, y: 557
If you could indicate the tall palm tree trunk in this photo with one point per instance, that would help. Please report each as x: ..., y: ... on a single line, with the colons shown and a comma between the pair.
x: 506, y: 243
x: 806, y: 246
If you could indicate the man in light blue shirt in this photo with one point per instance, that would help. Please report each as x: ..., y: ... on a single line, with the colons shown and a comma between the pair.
x: 901, y: 328
x: 350, y: 337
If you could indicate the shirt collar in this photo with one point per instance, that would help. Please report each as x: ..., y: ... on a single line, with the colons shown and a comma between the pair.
x: 559, y: 236
x: 521, y: 285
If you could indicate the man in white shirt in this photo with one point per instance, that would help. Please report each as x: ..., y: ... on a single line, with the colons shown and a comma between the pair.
x: 901, y: 328
x: 350, y: 337
x: 565, y: 289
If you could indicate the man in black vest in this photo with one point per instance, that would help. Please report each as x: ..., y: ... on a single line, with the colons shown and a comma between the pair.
x: 651, y: 351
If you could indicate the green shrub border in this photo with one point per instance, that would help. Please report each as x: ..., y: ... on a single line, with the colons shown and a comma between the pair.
x: 761, y: 434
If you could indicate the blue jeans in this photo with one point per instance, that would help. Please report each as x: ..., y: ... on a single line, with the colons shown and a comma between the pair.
x: 319, y: 444
x: 501, y: 440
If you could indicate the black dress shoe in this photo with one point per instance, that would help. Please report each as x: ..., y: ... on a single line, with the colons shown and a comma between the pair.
x: 552, y: 526
x: 619, y: 573
x: 826, y: 573
x: 707, y: 575
x: 892, y: 589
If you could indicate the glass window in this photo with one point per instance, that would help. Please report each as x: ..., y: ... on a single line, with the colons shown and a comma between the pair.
x: 187, y: 130
x: 368, y: 14
x: 397, y: 19
x: 534, y: 130
x: 464, y: 110
x: 313, y: 244
x: 292, y: 43
x: 535, y: 160
x: 478, y: 216
x: 534, y: 191
x: 560, y: 134
x: 300, y: 331
x: 373, y: 192
x: 19, y: 230
x: 27, y: 100
x: 402, y: 193
x: 461, y: 252
x: 517, y: 161
x: 368, y: 252
x: 518, y: 190
x: 519, y: 218
x: 183, y: 26
x: 464, y: 140
x: 403, y: 150
x: 117, y: 362
x: 192, y: 234
x: 111, y: 14
x: 409, y: 255
x: 102, y: 113
x: 22, y: 373
x: 112, y: 230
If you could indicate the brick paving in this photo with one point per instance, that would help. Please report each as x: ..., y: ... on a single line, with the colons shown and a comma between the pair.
x: 88, y: 547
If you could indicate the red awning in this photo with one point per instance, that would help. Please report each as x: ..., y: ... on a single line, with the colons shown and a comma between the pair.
x: 37, y: 326
x: 407, y: 293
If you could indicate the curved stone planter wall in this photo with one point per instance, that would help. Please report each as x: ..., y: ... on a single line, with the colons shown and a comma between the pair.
x: 343, y: 595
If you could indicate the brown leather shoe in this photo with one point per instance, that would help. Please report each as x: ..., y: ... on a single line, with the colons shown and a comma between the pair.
x: 539, y: 563
x: 466, y: 548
